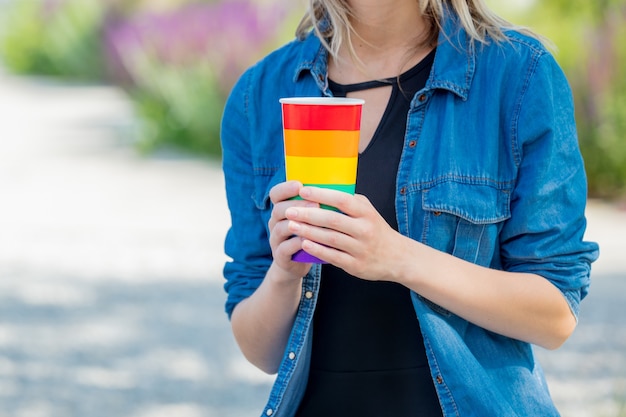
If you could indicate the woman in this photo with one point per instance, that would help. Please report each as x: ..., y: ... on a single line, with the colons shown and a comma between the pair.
x: 463, y: 245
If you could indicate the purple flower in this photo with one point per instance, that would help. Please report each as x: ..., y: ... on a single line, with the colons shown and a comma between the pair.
x: 229, y: 35
x: 50, y: 7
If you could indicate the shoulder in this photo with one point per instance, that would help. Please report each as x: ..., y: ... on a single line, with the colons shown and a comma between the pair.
x: 519, y: 62
x: 525, y: 41
x: 515, y: 49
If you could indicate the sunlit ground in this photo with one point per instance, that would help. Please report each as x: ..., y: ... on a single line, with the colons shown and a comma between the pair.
x: 110, y: 267
x: 110, y: 275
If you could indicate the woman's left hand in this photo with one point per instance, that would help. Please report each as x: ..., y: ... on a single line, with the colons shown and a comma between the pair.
x: 357, y: 240
x: 522, y: 306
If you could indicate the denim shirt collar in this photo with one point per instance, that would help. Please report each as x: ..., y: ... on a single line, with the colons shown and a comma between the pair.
x: 453, y: 68
x: 313, y: 59
x: 454, y: 65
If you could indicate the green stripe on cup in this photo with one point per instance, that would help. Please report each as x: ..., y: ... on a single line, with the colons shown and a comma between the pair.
x: 346, y: 188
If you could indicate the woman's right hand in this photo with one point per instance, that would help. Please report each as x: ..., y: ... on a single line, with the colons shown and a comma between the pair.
x: 262, y: 322
x: 284, y: 244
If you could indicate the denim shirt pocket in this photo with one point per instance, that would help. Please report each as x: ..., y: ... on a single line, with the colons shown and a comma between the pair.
x: 465, y: 218
x: 264, y: 180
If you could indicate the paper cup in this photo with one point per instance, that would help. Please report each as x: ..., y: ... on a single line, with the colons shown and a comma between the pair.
x: 321, y: 138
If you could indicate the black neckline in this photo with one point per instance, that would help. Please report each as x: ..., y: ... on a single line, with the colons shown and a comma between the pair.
x: 366, y: 85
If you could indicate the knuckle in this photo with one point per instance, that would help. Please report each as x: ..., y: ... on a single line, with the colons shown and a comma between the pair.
x: 333, y: 240
x: 344, y: 200
x: 367, y: 232
x: 335, y: 220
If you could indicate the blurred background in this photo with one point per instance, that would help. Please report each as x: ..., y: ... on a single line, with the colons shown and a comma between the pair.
x: 113, y: 213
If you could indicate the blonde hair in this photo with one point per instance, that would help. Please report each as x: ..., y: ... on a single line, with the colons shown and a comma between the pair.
x: 330, y: 20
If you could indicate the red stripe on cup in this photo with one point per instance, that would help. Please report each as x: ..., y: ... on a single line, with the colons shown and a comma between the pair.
x: 321, y: 117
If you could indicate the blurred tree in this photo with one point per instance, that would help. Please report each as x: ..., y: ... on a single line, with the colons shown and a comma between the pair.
x: 23, y: 35
x: 179, y: 65
x: 53, y: 37
x: 600, y: 93
x: 590, y: 37
x: 165, y: 51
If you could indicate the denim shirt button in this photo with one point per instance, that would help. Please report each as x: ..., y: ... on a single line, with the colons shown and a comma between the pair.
x: 437, y: 213
x: 269, y: 412
x: 439, y: 379
x: 412, y: 144
x: 292, y: 355
x: 403, y: 190
x: 422, y: 98
x: 308, y: 295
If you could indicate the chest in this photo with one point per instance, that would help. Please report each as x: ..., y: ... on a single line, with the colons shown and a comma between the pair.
x: 376, y: 103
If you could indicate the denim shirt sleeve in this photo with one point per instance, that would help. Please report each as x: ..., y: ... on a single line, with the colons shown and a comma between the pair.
x: 544, y: 234
x: 246, y: 241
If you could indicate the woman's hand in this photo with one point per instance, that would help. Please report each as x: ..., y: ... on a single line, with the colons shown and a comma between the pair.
x: 522, y: 306
x: 358, y: 240
x: 283, y: 242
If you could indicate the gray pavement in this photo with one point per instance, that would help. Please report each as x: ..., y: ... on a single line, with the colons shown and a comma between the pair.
x: 110, y: 275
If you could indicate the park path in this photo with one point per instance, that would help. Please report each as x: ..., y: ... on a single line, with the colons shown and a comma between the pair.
x: 110, y: 267
x: 110, y: 275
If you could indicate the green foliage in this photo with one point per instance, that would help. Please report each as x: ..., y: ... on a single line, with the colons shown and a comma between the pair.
x: 178, y: 106
x: 181, y: 103
x: 590, y: 48
x: 62, y: 41
x: 182, y: 65
x: 604, y: 149
x: 156, y: 48
x: 22, y: 45
x: 74, y: 39
x: 600, y: 93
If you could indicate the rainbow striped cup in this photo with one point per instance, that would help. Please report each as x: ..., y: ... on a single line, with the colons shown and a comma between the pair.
x: 321, y: 137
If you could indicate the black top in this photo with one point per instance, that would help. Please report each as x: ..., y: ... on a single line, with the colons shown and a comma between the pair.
x: 368, y: 356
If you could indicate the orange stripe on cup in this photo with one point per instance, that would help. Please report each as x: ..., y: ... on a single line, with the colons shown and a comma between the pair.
x: 322, y: 143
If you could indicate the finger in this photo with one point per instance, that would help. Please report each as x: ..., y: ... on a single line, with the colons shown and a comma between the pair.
x: 283, y: 242
x: 322, y: 218
x: 342, y: 201
x: 289, y: 247
x: 283, y: 256
x: 329, y: 254
x: 279, y: 233
x: 285, y: 191
x: 322, y: 235
x: 280, y: 208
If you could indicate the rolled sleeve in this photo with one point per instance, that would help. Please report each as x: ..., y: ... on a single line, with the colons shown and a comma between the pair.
x: 545, y: 232
x: 246, y: 242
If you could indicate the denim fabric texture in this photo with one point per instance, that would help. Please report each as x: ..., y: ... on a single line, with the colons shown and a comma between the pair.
x: 490, y: 173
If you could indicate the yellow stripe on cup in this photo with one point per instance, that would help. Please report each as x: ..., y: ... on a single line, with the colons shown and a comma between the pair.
x: 322, y: 143
x: 315, y: 170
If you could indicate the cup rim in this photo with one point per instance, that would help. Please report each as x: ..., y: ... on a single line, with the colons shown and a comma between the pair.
x: 323, y: 101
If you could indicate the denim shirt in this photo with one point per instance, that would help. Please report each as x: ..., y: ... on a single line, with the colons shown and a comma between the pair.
x: 490, y: 173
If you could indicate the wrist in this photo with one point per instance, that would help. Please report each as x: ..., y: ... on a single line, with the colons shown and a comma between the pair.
x: 405, y: 267
x: 282, y: 279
